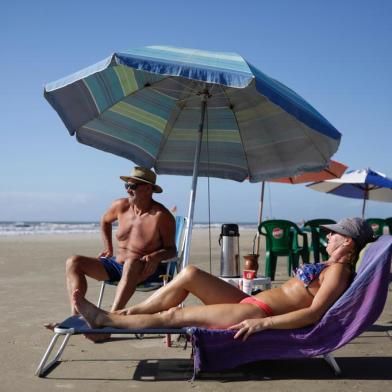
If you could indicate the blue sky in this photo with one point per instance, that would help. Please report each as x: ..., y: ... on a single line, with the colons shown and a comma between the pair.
x: 335, y: 54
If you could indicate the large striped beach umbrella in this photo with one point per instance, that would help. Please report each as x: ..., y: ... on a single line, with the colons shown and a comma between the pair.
x: 193, y: 112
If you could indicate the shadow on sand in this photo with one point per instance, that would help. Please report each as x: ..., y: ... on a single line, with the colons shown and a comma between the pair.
x: 181, y: 369
x: 152, y: 370
x: 354, y: 368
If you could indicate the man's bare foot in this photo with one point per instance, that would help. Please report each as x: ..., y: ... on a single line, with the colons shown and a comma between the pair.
x: 51, y: 326
x: 89, y: 311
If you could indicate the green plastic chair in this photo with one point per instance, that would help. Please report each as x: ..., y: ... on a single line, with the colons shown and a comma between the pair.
x: 282, y: 240
x: 377, y: 225
x: 388, y: 221
x: 319, y: 238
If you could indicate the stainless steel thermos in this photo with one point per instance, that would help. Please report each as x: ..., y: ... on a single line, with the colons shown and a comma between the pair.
x: 230, y: 251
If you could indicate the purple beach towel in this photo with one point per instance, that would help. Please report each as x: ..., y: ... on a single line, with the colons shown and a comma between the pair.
x: 357, y: 309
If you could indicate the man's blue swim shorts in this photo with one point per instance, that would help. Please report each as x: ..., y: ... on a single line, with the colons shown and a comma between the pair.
x: 113, y: 269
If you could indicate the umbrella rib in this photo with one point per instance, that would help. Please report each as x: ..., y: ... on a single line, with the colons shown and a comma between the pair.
x: 238, y: 127
x: 306, y: 135
x: 330, y: 172
x: 174, y: 117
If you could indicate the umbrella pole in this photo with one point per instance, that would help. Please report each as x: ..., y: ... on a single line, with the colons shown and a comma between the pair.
x: 364, y: 204
x: 260, y: 216
x: 192, y: 196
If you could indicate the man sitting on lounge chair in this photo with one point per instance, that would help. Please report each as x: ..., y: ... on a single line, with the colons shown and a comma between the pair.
x: 145, y: 235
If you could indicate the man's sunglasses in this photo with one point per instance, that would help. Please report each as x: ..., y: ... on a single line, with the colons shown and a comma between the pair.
x: 131, y: 186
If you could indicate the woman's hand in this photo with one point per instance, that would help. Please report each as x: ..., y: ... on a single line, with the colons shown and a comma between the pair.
x: 342, y: 254
x: 250, y: 326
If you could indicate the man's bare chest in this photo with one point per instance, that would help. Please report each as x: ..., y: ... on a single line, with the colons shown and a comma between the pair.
x: 135, y: 228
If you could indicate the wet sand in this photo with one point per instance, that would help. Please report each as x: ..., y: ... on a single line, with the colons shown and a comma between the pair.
x: 32, y: 290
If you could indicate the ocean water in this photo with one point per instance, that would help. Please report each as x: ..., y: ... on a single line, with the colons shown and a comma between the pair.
x: 29, y: 228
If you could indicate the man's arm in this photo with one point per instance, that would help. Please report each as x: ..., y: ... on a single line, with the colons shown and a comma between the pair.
x: 107, y: 220
x: 167, y: 232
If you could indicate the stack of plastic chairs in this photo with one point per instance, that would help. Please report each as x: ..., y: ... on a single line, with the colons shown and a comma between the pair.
x: 319, y: 240
x: 282, y: 240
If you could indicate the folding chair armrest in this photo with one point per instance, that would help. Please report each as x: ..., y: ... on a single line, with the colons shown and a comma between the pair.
x: 172, y: 260
x: 111, y: 282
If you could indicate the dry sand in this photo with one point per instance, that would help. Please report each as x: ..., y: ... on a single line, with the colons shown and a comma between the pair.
x: 32, y: 292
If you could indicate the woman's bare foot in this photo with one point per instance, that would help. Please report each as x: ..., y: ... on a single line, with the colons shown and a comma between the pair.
x: 89, y: 311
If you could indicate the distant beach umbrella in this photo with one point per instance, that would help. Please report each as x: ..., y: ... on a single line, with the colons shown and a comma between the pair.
x: 365, y: 184
x: 333, y: 170
x: 193, y: 112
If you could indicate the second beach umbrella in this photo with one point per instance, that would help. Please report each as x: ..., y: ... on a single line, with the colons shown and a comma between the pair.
x: 364, y: 184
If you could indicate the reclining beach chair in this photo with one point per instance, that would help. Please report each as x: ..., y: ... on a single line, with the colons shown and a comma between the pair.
x: 165, y: 271
x: 356, y: 310
x: 215, y: 350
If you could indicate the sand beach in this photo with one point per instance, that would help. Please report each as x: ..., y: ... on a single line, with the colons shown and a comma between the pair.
x: 33, y: 292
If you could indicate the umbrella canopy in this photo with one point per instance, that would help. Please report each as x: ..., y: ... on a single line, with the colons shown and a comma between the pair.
x: 144, y: 105
x: 150, y: 105
x: 333, y: 170
x: 365, y: 184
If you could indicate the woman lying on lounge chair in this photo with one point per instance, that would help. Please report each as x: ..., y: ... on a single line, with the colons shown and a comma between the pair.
x: 299, y: 302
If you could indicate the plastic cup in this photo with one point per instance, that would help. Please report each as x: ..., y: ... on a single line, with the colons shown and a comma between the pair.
x: 247, y: 281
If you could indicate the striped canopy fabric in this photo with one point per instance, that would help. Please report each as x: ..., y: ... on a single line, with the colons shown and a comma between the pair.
x: 144, y: 105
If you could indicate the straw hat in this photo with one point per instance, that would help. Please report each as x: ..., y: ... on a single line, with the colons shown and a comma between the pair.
x: 144, y: 175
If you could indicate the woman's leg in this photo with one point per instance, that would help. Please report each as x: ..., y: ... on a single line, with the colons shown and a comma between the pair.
x: 207, y: 316
x: 208, y: 288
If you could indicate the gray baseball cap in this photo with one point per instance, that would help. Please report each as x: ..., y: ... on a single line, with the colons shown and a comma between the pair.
x: 356, y: 228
